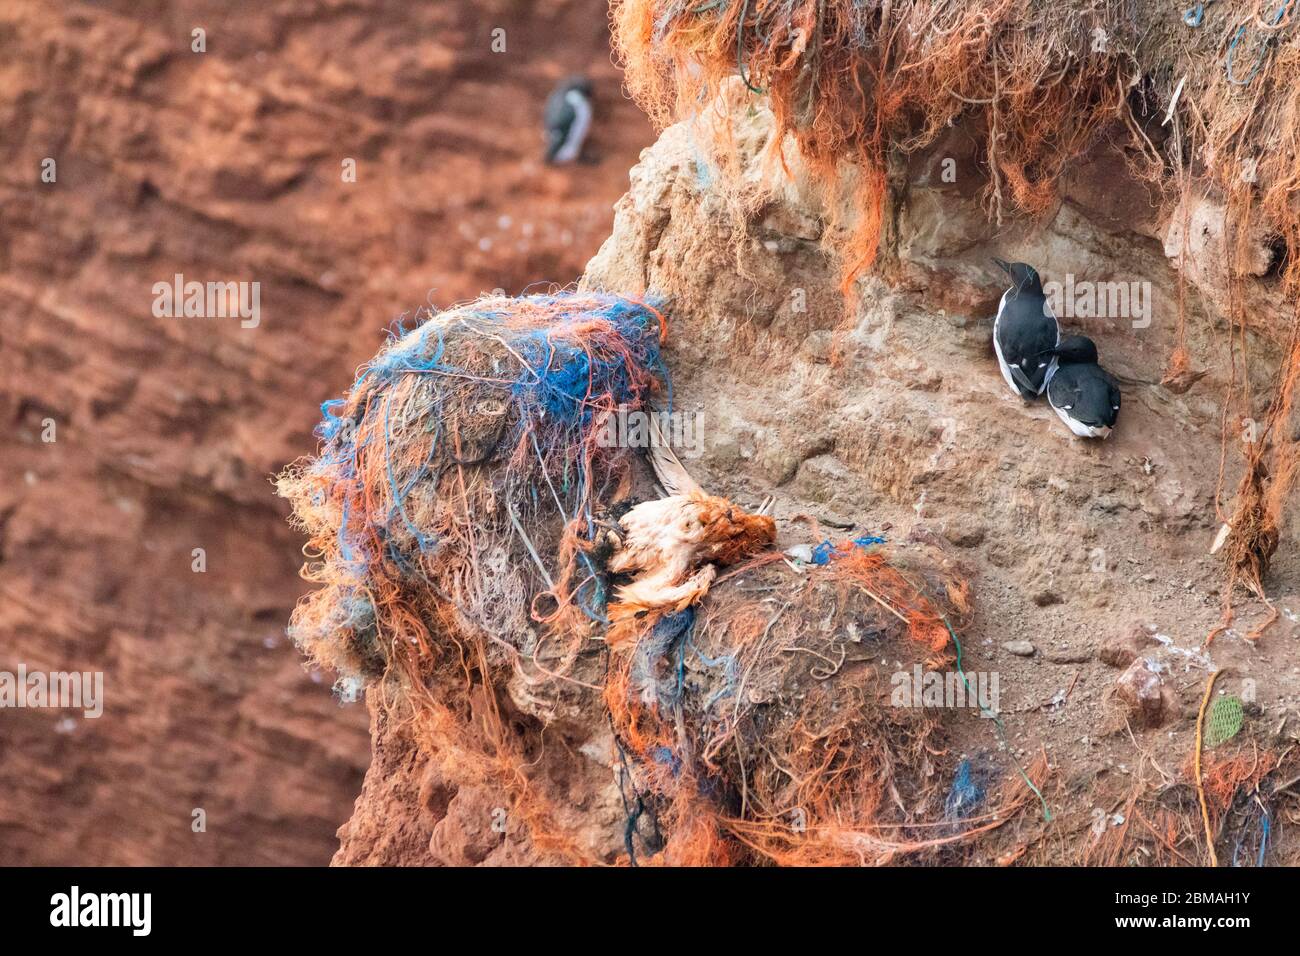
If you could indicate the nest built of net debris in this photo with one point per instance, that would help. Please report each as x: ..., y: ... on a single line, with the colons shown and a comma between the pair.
x: 1207, y: 105
x: 453, y: 513
x: 1159, y: 821
x: 766, y: 726
x: 482, y: 421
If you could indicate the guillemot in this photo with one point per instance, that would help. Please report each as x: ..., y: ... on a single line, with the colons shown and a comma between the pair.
x: 1024, y: 329
x: 1083, y: 393
x: 567, y: 119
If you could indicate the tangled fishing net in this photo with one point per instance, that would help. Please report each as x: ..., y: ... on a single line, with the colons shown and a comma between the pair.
x: 765, y: 725
x: 1244, y: 783
x: 453, y: 517
x: 1203, y: 102
x: 481, y: 421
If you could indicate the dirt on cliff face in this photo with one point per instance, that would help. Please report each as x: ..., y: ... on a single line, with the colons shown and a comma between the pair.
x: 889, y: 417
x: 896, y: 418
x: 356, y: 160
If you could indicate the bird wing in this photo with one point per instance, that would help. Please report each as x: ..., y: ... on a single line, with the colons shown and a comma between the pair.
x: 559, y: 113
x: 668, y: 469
x: 1023, y: 380
x: 1062, y: 389
x: 559, y: 120
x: 657, y: 532
x: 1038, y: 335
x: 1021, y: 330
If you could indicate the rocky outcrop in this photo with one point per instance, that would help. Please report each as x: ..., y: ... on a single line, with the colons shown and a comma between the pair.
x: 886, y: 412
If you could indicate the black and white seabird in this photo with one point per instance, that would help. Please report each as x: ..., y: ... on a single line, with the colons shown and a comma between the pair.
x: 1024, y: 329
x: 567, y: 119
x: 1080, y: 390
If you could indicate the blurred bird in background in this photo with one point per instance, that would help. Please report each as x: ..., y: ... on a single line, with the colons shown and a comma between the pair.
x: 567, y: 119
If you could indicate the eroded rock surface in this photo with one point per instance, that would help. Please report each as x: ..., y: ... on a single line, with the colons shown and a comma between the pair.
x: 890, y: 415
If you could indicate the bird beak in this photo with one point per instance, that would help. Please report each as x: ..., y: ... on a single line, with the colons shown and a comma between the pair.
x: 1003, y: 265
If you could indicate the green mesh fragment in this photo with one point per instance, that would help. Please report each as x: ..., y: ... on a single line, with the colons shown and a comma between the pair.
x: 1224, y: 720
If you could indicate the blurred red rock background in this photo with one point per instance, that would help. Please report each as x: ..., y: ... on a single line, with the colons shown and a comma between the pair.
x: 227, y: 165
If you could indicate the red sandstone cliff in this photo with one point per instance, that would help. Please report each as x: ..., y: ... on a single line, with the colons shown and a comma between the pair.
x: 226, y: 165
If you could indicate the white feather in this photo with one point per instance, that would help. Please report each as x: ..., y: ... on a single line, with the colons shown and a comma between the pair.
x: 667, y: 466
x: 577, y: 130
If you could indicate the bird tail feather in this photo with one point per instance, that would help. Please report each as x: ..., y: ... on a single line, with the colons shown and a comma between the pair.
x: 668, y: 469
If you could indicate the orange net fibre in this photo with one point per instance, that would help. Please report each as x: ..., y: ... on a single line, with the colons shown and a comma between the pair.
x: 817, y: 782
x: 856, y: 82
x: 467, y: 450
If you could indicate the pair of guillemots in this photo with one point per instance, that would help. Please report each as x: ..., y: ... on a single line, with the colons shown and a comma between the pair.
x: 1034, y: 358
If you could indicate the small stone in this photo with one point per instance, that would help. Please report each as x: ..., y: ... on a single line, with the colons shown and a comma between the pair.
x: 1142, y: 691
x: 1123, y: 650
x: 1019, y: 648
x: 818, y: 345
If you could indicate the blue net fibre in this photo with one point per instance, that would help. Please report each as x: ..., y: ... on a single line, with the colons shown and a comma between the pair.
x: 481, y: 420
